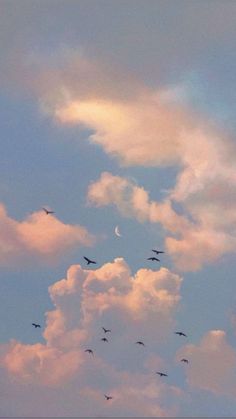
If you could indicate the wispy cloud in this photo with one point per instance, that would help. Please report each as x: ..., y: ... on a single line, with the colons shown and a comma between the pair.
x: 147, y: 128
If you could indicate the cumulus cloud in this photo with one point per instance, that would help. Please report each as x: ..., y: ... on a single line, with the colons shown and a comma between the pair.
x: 85, y: 301
x: 39, y: 237
x: 147, y: 296
x: 212, y: 364
x: 191, y: 240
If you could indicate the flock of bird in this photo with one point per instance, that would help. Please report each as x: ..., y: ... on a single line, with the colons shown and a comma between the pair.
x: 141, y: 343
x: 104, y: 339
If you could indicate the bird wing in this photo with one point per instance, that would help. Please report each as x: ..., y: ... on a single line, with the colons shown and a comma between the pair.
x: 87, y: 259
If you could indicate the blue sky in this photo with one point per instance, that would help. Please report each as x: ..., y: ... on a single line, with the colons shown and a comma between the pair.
x: 85, y: 86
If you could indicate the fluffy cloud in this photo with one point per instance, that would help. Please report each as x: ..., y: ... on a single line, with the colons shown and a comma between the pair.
x: 149, y: 128
x: 193, y: 240
x: 40, y: 363
x: 144, y: 127
x: 212, y: 364
x: 149, y: 296
x: 83, y: 302
x: 39, y: 236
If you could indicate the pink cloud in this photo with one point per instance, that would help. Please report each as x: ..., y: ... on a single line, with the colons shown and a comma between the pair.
x: 212, y: 364
x: 40, y: 364
x: 147, y: 127
x: 39, y: 237
x: 199, y: 236
x: 85, y: 301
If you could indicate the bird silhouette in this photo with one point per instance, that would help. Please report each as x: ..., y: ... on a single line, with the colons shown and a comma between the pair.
x: 36, y: 325
x: 89, y: 260
x: 48, y: 211
x: 162, y: 374
x: 89, y: 351
x: 108, y: 397
x: 157, y: 251
x: 181, y: 334
x: 139, y: 342
x: 106, y: 330
x: 104, y: 339
x: 185, y: 360
x: 153, y: 258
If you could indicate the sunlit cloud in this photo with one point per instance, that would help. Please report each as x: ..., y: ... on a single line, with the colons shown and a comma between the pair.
x: 85, y: 301
x: 212, y: 364
x: 39, y: 237
x: 191, y: 242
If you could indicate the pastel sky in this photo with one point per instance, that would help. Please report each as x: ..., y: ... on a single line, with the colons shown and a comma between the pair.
x: 118, y: 113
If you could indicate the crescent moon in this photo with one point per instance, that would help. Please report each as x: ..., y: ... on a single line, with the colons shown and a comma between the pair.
x: 117, y: 232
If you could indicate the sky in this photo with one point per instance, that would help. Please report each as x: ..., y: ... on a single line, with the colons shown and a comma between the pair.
x: 117, y: 114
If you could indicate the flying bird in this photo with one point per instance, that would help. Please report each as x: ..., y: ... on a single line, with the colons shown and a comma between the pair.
x: 108, y: 397
x: 104, y: 339
x: 89, y: 261
x: 89, y: 351
x: 162, y: 374
x: 139, y: 342
x: 48, y: 211
x: 184, y: 360
x: 36, y: 325
x: 153, y: 258
x: 180, y: 334
x: 106, y: 330
x: 117, y: 232
x: 157, y: 251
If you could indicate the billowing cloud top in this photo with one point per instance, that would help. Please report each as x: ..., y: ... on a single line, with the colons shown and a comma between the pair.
x: 84, y: 302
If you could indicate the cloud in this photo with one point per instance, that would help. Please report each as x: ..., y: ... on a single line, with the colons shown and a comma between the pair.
x: 130, y: 121
x: 40, y: 363
x: 85, y: 301
x: 134, y: 301
x: 212, y: 364
x: 146, y: 127
x: 189, y: 241
x: 39, y: 237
